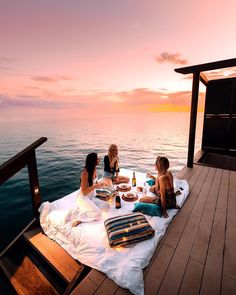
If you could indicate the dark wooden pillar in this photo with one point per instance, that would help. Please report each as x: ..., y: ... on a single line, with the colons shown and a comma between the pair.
x: 193, y: 118
x: 34, y: 183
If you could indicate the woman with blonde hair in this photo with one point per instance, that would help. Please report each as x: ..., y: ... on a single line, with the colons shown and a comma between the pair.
x: 163, y: 188
x: 111, y: 166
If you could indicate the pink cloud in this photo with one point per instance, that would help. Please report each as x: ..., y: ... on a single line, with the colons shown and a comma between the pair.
x: 216, y: 74
x: 50, y: 79
x: 141, y: 98
x: 173, y: 58
x: 7, y: 60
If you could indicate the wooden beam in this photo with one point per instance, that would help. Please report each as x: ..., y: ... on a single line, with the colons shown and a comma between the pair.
x: 208, y: 66
x: 34, y: 183
x: 67, y: 267
x: 203, y: 79
x: 193, y: 118
x: 16, y: 163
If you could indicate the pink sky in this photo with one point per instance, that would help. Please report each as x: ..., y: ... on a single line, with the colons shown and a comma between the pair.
x: 115, y: 56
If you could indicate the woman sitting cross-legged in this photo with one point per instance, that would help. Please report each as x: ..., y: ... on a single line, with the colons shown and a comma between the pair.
x: 163, y: 188
x: 111, y: 167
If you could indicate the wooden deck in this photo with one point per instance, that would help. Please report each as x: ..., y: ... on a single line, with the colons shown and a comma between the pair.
x: 197, y: 255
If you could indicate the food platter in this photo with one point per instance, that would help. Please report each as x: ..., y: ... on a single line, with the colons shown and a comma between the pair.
x: 129, y: 197
x: 123, y: 187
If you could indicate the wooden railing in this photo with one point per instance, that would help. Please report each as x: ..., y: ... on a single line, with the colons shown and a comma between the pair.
x: 27, y: 157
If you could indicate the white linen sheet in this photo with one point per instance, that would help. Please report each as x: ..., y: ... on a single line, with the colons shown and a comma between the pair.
x: 88, y: 242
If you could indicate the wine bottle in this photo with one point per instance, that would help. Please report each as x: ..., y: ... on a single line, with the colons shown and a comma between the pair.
x: 134, y: 180
x: 118, y: 201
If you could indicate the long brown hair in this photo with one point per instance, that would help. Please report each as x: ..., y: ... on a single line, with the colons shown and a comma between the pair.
x: 90, y: 165
x: 162, y: 164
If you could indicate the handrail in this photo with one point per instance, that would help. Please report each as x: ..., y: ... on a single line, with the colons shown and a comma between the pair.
x: 19, y: 161
x: 26, y: 157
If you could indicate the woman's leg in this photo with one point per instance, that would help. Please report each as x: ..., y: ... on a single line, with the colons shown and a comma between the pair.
x: 107, y: 181
x: 122, y: 179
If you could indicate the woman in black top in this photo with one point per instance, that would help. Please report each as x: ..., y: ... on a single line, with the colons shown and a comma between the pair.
x: 111, y: 166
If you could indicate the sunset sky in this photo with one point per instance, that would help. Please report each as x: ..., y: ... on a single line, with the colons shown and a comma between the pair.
x: 104, y: 55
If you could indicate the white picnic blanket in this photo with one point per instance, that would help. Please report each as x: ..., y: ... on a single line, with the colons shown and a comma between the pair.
x: 88, y: 241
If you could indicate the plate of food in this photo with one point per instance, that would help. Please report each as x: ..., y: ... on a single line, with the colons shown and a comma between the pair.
x: 130, y: 195
x: 123, y: 187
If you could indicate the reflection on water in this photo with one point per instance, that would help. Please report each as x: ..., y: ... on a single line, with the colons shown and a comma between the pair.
x: 140, y: 138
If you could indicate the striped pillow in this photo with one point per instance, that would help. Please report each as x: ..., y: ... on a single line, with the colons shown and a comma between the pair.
x: 128, y: 229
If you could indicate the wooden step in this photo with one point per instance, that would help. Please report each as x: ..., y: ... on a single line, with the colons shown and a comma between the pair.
x: 54, y: 254
x: 25, y: 277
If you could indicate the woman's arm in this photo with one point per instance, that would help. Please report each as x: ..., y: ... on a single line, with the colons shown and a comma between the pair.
x: 162, y: 182
x: 84, y: 184
x: 149, y: 175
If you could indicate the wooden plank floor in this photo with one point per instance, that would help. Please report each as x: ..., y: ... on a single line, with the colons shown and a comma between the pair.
x: 197, y: 255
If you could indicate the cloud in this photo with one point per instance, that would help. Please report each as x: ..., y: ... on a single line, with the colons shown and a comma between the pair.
x: 7, y: 60
x: 31, y: 101
x: 51, y: 79
x: 140, y: 98
x: 216, y: 74
x: 173, y: 58
x: 2, y: 68
x: 221, y: 73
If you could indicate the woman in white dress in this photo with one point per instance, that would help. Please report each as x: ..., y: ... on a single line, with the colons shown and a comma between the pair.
x: 89, y: 176
x: 86, y: 196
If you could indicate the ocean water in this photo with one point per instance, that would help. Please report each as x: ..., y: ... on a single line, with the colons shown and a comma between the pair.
x: 140, y: 139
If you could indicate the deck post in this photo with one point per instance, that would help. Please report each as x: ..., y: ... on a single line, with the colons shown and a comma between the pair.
x: 193, y: 118
x: 34, y: 183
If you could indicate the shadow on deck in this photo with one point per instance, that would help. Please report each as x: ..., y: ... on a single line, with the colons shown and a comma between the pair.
x: 220, y: 161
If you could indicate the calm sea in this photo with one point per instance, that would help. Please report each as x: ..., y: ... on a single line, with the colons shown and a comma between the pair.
x: 140, y: 139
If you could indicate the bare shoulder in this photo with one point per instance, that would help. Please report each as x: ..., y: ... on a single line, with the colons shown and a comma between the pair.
x: 163, y: 178
x: 169, y: 174
x: 84, y: 173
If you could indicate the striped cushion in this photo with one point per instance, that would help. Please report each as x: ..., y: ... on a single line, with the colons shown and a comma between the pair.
x: 128, y: 229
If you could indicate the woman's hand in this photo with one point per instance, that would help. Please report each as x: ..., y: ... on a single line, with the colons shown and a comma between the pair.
x: 116, y: 180
x: 100, y: 184
x: 154, y: 189
x: 149, y: 175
